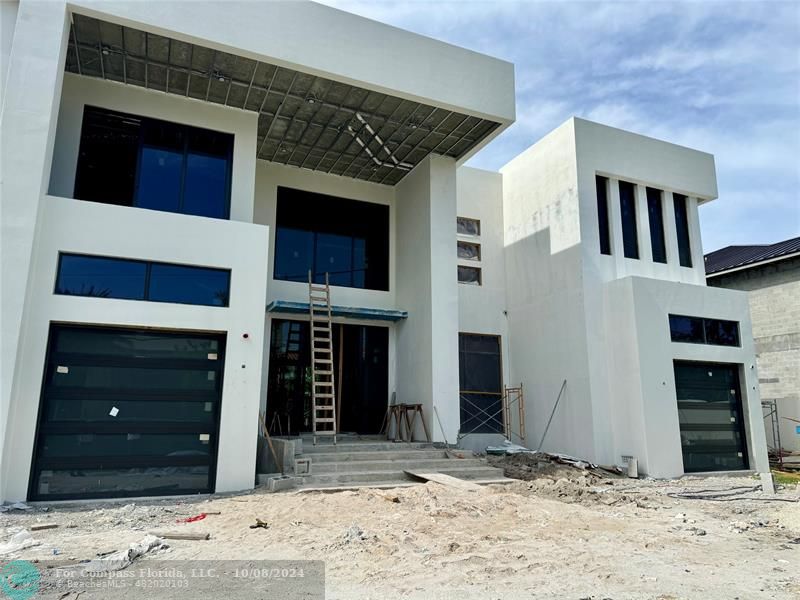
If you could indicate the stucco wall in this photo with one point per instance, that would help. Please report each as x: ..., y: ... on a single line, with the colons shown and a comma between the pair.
x: 427, y: 342
x: 642, y: 382
x: 774, y: 295
x: 92, y: 228
x: 548, y: 333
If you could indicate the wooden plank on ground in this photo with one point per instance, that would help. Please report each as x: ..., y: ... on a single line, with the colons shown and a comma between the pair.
x: 445, y: 480
x: 181, y: 535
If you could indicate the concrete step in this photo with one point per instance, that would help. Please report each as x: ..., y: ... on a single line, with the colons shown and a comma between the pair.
x: 394, y: 475
x: 399, y: 454
x: 394, y: 464
x: 328, y: 446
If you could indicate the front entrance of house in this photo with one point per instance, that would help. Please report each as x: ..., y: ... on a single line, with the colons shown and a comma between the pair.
x: 361, y: 371
x: 711, y: 417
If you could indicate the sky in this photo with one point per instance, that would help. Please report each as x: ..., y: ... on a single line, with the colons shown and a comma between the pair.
x: 722, y: 77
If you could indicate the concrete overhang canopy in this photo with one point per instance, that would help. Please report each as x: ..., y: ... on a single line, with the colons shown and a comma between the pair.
x: 305, y: 120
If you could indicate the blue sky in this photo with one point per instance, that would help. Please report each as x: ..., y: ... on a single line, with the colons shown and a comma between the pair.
x: 723, y: 77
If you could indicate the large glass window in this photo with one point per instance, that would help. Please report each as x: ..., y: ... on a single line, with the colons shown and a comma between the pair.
x: 80, y: 275
x: 601, y: 183
x: 347, y: 239
x: 627, y: 205
x: 655, y: 213
x: 148, y: 163
x: 697, y: 330
x: 480, y: 383
x: 682, y: 228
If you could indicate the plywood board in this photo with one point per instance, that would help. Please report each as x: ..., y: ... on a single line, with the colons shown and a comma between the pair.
x: 445, y: 480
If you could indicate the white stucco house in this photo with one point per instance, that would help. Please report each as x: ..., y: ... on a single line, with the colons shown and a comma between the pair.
x: 172, y: 174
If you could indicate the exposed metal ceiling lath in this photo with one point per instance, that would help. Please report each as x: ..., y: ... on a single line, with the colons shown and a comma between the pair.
x: 304, y: 121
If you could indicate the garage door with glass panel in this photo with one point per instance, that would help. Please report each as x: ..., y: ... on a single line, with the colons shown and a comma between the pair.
x: 127, y: 413
x: 710, y: 416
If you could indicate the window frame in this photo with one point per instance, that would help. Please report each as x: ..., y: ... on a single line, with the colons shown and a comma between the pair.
x: 146, y: 282
x: 376, y: 237
x: 630, y: 234
x: 185, y: 131
x: 471, y: 220
x: 680, y: 203
x: 479, y: 270
x: 462, y: 337
x: 656, y: 242
x: 603, y: 215
x: 477, y: 246
x: 704, y: 323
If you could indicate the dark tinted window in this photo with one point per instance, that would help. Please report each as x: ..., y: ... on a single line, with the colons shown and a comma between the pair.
x: 148, y: 163
x: 627, y: 205
x: 601, y: 184
x: 682, y: 228
x: 697, y: 330
x: 469, y: 251
x: 101, y: 277
x: 686, y: 329
x: 655, y: 213
x: 722, y: 333
x: 188, y: 285
x: 107, y: 157
x: 347, y: 239
x: 480, y: 383
x: 80, y: 275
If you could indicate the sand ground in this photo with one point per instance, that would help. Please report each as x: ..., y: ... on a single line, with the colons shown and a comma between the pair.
x: 564, y: 534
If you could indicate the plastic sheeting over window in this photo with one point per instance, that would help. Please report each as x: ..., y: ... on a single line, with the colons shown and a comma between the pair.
x: 469, y: 251
x: 471, y: 275
x: 467, y: 226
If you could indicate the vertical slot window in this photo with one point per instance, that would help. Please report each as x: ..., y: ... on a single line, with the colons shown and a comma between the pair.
x: 601, y: 184
x: 627, y: 205
x: 655, y: 213
x: 682, y: 229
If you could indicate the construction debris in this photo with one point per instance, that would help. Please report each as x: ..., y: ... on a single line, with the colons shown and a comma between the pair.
x: 260, y: 525
x: 122, y: 559
x: 41, y: 526
x: 15, y: 506
x: 181, y: 535
x: 20, y: 540
x: 446, y: 480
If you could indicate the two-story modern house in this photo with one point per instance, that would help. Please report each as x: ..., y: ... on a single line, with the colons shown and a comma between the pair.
x: 172, y: 172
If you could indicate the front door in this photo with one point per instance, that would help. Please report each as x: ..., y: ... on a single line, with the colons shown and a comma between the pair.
x: 711, y: 417
x: 361, y: 373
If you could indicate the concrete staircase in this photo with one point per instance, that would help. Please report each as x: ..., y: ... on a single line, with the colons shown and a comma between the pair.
x: 379, y: 463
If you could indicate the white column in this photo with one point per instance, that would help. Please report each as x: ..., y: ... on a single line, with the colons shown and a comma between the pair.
x: 27, y: 131
x: 427, y: 287
x: 615, y: 222
x: 670, y: 233
x: 695, y: 241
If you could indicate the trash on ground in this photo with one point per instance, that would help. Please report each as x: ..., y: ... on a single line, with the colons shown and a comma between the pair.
x: 41, y: 526
x: 20, y: 540
x: 260, y: 524
x: 199, y: 517
x: 15, y: 506
x: 124, y: 558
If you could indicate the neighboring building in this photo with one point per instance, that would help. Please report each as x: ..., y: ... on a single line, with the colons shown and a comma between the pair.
x: 171, y: 176
x: 770, y: 273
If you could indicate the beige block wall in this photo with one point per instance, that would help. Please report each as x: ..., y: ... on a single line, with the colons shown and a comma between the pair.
x: 774, y: 293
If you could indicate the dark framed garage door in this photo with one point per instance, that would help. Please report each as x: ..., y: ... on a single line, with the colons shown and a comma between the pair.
x: 711, y: 417
x: 127, y: 412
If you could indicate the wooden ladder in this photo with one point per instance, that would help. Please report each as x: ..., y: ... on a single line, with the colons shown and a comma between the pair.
x: 323, y: 389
